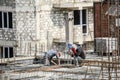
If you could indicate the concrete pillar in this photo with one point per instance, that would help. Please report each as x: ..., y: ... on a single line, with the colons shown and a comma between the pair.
x: 69, y: 27
x: 70, y: 18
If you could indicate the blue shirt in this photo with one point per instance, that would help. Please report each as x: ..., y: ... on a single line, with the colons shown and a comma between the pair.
x: 53, y: 53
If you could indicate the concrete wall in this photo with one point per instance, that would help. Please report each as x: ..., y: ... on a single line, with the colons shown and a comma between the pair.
x: 7, y: 34
x: 36, y: 24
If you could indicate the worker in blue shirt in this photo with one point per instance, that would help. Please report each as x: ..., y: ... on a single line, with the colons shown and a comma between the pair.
x: 49, y: 56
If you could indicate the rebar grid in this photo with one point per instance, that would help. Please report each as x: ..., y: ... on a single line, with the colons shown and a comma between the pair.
x: 24, y: 70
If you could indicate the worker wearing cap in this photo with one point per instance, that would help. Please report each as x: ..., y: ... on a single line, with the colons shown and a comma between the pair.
x: 71, y: 47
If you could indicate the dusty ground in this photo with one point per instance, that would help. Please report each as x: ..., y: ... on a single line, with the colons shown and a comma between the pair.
x: 26, y: 70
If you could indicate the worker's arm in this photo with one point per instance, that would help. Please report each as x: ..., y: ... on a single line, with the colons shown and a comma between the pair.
x: 57, y: 57
x: 58, y: 61
x: 53, y: 62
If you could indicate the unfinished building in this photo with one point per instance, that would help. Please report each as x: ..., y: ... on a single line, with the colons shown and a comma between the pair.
x: 37, y: 26
x: 31, y: 27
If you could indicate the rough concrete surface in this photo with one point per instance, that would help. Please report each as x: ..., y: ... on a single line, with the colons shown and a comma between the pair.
x: 26, y: 70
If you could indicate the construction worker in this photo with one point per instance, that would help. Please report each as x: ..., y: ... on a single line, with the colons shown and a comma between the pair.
x: 49, y: 57
x: 78, y: 54
x: 74, y: 53
x: 72, y: 48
